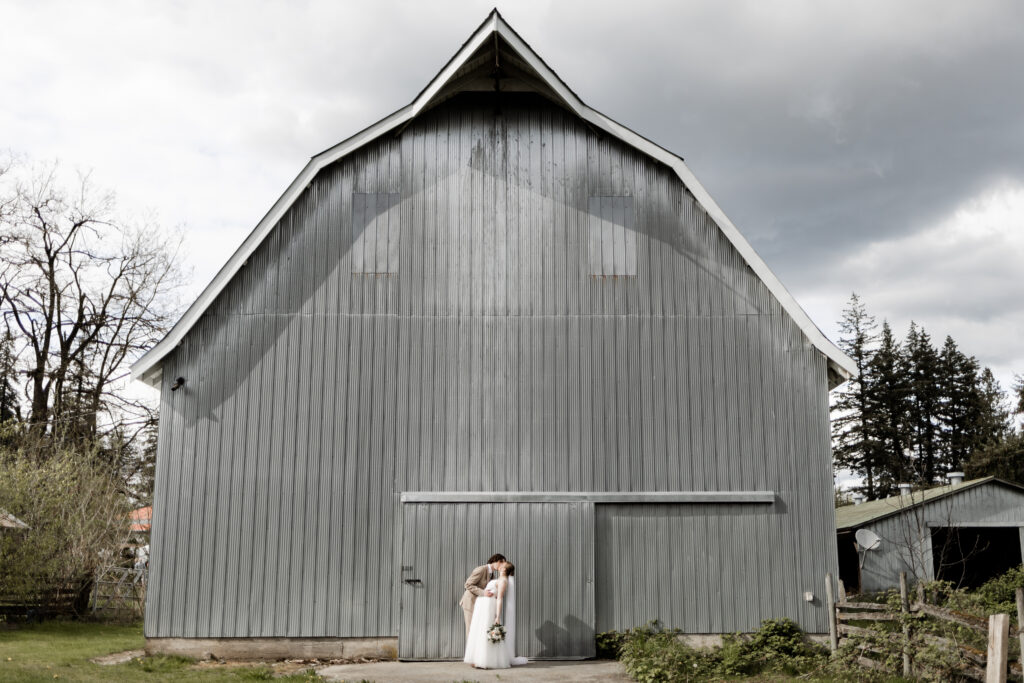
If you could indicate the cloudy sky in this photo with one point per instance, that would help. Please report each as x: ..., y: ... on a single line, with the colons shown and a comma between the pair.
x: 875, y: 147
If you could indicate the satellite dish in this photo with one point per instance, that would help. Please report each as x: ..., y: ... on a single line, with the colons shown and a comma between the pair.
x: 867, y: 539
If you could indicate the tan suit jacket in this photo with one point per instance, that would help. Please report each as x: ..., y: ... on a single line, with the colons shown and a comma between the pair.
x: 475, y: 586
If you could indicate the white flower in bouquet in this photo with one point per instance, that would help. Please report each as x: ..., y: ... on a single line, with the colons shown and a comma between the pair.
x: 496, y: 633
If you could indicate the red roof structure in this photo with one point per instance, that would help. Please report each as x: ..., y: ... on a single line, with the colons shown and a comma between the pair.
x: 142, y: 518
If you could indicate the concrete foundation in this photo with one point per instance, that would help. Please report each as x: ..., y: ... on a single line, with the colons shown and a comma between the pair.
x: 275, y: 648
x: 710, y: 640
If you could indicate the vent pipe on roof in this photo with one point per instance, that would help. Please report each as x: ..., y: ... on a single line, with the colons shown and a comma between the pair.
x: 955, y: 478
x: 859, y: 498
x: 904, y: 489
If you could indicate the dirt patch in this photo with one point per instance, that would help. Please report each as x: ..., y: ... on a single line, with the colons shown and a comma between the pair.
x: 282, y: 667
x: 118, y: 657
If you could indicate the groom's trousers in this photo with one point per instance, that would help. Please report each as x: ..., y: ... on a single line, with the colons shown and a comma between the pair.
x: 468, y: 614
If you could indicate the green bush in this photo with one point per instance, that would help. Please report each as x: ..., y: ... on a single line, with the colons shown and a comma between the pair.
x: 77, y: 522
x: 609, y: 644
x: 652, y: 654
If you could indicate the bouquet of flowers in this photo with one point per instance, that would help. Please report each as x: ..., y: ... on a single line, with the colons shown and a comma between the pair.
x: 496, y: 633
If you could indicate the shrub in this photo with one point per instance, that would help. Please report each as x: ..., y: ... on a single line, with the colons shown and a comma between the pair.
x: 609, y: 644
x: 77, y: 519
x: 652, y: 654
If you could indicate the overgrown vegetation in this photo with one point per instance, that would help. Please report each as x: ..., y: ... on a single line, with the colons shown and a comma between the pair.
x: 77, y: 523
x: 654, y: 654
x: 995, y: 596
x: 940, y: 650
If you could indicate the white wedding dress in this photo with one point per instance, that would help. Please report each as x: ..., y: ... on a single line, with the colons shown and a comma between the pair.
x: 482, y: 653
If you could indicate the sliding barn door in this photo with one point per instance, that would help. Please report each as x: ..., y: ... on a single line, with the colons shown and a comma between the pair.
x: 552, y: 547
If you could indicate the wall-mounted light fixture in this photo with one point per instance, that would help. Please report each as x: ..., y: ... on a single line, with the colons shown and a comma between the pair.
x: 178, y: 384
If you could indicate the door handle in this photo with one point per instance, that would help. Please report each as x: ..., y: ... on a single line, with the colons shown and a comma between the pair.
x: 413, y: 582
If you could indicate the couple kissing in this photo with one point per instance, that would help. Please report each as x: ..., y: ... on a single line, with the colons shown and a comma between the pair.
x: 489, y: 609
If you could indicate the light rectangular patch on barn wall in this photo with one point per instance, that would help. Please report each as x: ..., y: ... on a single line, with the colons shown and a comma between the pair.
x: 375, y: 232
x: 612, y: 236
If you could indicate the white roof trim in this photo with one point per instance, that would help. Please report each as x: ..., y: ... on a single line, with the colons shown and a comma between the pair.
x: 147, y: 367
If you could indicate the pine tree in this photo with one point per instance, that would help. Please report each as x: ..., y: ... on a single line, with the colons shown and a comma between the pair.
x: 9, y: 406
x: 887, y: 411
x: 922, y: 362
x: 959, y: 405
x: 1018, y: 389
x: 1004, y: 459
x: 990, y: 419
x: 853, y: 446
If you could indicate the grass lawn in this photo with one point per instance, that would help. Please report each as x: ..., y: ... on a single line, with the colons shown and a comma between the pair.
x: 61, y: 650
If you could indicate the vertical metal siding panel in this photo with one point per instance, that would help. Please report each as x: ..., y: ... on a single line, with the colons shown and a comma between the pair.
x: 570, y: 400
x: 339, y: 502
x: 201, y: 530
x: 165, y: 517
x: 350, y: 544
x: 239, y: 524
x: 253, y: 510
x: 220, y: 546
x: 179, y: 503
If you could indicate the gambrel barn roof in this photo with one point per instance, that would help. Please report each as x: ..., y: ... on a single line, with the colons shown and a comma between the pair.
x: 494, y: 45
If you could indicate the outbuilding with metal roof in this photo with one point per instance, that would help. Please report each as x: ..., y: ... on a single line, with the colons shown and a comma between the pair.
x: 965, y: 532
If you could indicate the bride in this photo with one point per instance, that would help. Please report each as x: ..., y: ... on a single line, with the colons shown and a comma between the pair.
x: 480, y: 652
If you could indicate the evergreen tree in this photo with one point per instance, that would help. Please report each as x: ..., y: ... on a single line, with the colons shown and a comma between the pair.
x: 922, y: 363
x: 959, y: 405
x: 887, y: 410
x: 853, y: 447
x: 9, y: 406
x: 1018, y: 389
x: 990, y: 419
x: 1003, y: 459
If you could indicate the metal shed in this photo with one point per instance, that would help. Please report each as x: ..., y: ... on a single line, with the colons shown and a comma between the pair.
x: 965, y: 532
x: 497, y: 320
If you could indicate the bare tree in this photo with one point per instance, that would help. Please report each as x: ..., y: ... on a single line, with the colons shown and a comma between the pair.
x: 84, y: 292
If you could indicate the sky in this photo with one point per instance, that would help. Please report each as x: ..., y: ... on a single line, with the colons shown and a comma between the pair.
x: 874, y: 147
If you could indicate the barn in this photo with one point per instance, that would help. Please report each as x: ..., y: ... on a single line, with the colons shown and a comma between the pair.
x: 496, y: 320
x: 966, y: 532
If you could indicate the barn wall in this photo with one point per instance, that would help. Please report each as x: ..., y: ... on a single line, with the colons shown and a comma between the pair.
x: 906, y: 538
x: 492, y: 359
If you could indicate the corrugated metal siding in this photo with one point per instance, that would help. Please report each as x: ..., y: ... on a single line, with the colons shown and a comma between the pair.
x: 906, y: 539
x: 552, y: 547
x: 491, y: 360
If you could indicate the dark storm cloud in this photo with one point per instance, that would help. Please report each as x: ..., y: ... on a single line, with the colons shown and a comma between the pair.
x: 816, y: 141
x: 875, y: 147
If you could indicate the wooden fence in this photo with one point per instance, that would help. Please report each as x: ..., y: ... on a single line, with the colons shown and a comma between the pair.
x: 44, y: 602
x: 120, y: 592
x: 989, y: 666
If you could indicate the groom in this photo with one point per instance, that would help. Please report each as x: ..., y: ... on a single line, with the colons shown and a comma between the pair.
x: 475, y: 586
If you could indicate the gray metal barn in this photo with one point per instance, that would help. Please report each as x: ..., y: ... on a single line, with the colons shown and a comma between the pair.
x: 966, y: 532
x: 496, y: 320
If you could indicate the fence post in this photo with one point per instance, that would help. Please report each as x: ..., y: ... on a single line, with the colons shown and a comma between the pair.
x: 998, y: 639
x: 830, y: 603
x: 1020, y: 624
x: 905, y: 609
x: 842, y: 591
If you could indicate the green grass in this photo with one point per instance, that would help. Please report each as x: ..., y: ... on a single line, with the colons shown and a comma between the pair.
x: 62, y: 650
